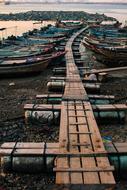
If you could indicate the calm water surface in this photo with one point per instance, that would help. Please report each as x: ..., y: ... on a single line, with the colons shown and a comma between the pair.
x: 117, y: 11
x: 18, y: 27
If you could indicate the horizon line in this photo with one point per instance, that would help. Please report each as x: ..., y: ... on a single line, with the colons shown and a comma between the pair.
x: 60, y: 2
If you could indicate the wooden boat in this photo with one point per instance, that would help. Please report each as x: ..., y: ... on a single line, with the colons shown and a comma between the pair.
x: 110, y: 24
x: 23, y: 66
x: 112, y: 57
x: 55, y: 30
x: 111, y: 62
x: 24, y: 52
x: 28, y: 65
x: 96, y: 41
x: 123, y: 29
x: 50, y: 32
x: 108, y: 54
x: 21, y: 41
x: 111, y: 51
x: 103, y: 32
x: 48, y: 36
x: 49, y: 41
x: 56, y: 56
x: 69, y: 24
x: 105, y: 42
x: 89, y: 46
x: 114, y: 46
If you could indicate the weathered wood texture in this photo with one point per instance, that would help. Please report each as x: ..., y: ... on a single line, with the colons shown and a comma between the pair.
x: 43, y: 96
x: 53, y: 107
x: 79, y: 134
x: 52, y: 149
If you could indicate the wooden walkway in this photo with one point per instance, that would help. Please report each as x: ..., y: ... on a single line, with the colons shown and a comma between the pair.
x: 84, y: 159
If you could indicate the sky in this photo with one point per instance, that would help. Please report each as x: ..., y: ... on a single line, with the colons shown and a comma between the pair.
x: 108, y: 1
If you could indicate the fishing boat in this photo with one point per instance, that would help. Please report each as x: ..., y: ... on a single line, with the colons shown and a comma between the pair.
x: 49, y: 41
x: 50, y: 32
x: 48, y: 36
x: 103, y: 42
x: 111, y: 62
x: 124, y: 28
x: 110, y: 24
x: 21, y: 66
x: 56, y: 57
x: 32, y: 40
x: 94, y: 43
x: 112, y: 53
x: 18, y: 67
x: 105, y: 32
x: 112, y: 56
x: 88, y: 45
x: 15, y: 52
x: 55, y: 30
x: 69, y: 24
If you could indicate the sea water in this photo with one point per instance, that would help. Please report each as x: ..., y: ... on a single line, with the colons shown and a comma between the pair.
x: 118, y: 11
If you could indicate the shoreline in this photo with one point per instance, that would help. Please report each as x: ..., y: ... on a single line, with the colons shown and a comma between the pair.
x: 53, y: 15
x: 12, y: 99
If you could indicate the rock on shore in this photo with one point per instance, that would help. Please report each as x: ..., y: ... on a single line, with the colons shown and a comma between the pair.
x: 54, y: 15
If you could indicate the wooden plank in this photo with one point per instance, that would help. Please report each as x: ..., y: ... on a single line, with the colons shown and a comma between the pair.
x: 101, y: 96
x: 105, y: 177
x: 26, y: 145
x: 30, y: 145
x: 75, y: 91
x: 42, y: 107
x: 64, y: 68
x: 5, y: 152
x: 52, y: 149
x: 52, y: 145
x: 121, y: 147
x: 41, y: 96
x: 110, y: 107
x: 108, y: 70
x: 49, y: 152
x: 63, y: 178
x: 89, y: 162
x: 28, y: 152
x: 22, y: 145
x: 81, y: 133
x: 82, y: 154
x: 8, y: 145
x: 94, y: 169
x: 76, y: 178
x: 78, y: 123
x: 78, y: 115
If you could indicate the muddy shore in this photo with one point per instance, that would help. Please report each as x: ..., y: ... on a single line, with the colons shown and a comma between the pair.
x: 14, y: 93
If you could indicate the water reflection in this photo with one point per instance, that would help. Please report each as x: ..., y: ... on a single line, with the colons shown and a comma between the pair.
x: 16, y: 28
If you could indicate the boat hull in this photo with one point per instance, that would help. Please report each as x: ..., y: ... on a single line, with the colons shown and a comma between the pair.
x: 111, y: 62
x: 19, y: 70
